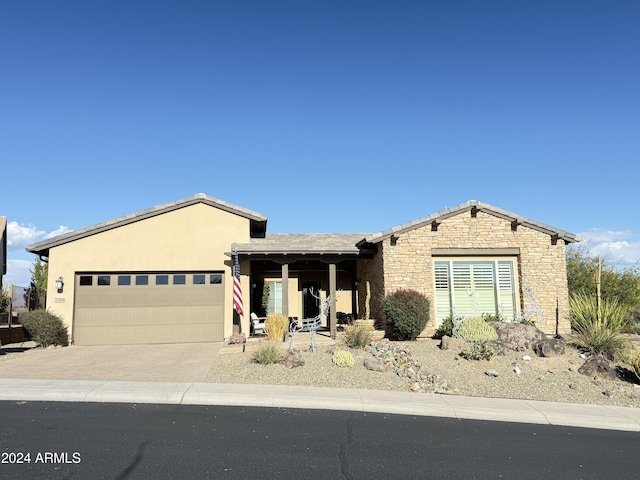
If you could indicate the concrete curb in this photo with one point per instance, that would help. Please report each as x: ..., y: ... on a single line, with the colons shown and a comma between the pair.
x: 279, y: 396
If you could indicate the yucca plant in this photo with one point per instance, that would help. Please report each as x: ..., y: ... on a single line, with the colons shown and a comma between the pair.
x: 356, y: 336
x: 275, y: 326
x: 267, y: 354
x: 598, y: 325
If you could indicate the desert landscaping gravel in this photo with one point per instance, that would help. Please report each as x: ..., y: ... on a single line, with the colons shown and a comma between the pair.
x: 518, y: 375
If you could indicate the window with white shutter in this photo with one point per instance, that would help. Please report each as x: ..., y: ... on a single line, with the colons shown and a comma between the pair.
x: 475, y: 286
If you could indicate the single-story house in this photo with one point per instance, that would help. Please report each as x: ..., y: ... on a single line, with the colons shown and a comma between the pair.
x: 165, y: 274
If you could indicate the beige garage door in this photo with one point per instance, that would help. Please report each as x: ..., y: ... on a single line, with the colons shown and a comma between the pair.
x: 141, y: 308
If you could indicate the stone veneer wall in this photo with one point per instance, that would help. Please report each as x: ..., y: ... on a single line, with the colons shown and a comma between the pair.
x: 541, y: 266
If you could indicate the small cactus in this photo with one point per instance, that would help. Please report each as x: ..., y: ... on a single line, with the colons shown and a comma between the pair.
x: 475, y: 329
x: 367, y: 300
x: 343, y: 359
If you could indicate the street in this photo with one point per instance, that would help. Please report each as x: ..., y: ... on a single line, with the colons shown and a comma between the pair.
x: 142, y: 441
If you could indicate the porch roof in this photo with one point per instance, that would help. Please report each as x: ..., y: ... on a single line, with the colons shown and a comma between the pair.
x: 303, y: 244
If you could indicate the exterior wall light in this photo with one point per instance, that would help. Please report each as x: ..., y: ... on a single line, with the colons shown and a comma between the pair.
x: 59, y: 284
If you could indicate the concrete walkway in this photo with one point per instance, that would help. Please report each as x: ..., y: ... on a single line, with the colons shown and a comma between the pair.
x: 176, y: 374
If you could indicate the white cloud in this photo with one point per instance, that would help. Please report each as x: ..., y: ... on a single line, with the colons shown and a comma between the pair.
x: 61, y: 230
x: 18, y: 273
x: 617, y: 247
x: 19, y: 236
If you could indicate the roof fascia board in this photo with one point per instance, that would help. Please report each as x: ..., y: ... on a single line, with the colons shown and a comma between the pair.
x: 479, y: 206
x: 142, y: 215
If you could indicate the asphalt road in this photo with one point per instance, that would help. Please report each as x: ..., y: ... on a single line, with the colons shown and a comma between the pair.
x: 141, y: 441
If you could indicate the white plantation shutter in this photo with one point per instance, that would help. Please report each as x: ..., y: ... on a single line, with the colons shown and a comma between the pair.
x: 462, y: 288
x: 474, y: 287
x: 443, y: 292
x: 484, y: 287
x: 506, y: 290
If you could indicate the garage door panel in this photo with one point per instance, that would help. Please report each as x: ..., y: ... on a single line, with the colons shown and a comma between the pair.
x: 110, y: 314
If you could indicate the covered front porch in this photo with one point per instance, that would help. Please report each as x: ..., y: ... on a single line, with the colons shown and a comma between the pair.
x: 293, y: 274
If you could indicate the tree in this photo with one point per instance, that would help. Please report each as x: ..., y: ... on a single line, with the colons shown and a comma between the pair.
x: 622, y: 285
x: 39, y: 274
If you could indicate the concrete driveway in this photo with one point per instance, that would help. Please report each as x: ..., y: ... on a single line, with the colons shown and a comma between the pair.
x: 187, y: 362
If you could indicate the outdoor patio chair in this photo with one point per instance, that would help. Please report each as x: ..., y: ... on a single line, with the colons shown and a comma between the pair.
x: 257, y: 323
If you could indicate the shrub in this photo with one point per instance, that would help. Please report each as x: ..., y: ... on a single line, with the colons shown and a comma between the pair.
x: 479, y: 351
x: 357, y: 336
x: 343, y: 359
x: 492, y: 317
x: 275, y: 326
x: 237, y: 338
x: 267, y: 354
x: 445, y: 328
x: 407, y: 314
x: 44, y: 327
x: 475, y: 329
x: 598, y: 332
x: 634, y: 363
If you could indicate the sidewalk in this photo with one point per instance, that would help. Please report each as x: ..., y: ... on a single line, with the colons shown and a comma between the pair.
x: 491, y: 409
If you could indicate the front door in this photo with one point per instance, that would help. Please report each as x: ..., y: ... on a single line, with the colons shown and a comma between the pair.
x: 310, y: 299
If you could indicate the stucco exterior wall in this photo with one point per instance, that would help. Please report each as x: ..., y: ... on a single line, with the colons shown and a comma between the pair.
x: 542, y: 278
x: 190, y: 238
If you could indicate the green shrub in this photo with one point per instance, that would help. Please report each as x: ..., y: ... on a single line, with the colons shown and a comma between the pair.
x: 479, y: 351
x: 357, y: 336
x: 44, y: 327
x: 492, y: 317
x: 475, y: 329
x: 343, y: 359
x: 634, y: 363
x: 407, y: 314
x: 267, y: 354
x: 598, y: 332
x: 445, y: 328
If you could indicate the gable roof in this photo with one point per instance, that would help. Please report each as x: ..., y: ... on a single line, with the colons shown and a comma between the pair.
x: 468, y: 206
x: 42, y: 248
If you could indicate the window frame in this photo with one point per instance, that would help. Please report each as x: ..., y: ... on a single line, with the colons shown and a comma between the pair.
x: 501, y: 280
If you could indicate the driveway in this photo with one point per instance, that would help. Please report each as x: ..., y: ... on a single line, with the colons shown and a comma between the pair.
x: 187, y: 362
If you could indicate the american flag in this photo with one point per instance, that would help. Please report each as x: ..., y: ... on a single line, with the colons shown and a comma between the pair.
x: 237, y: 288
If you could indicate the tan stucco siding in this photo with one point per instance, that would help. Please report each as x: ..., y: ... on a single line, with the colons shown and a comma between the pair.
x: 190, y: 238
x: 542, y: 266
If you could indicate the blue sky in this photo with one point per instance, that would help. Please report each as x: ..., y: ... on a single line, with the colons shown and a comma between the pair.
x: 332, y: 116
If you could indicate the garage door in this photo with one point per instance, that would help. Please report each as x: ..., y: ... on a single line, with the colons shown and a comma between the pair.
x: 142, y: 308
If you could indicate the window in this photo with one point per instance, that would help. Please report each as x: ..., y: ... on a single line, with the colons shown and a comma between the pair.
x: 142, y: 279
x: 104, y: 279
x: 215, y: 279
x: 474, y: 287
x: 179, y: 279
x: 86, y: 280
x: 162, y: 279
x: 124, y: 280
x: 199, y: 279
x: 275, y: 297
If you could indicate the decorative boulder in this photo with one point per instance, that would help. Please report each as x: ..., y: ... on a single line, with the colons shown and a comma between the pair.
x: 598, y: 366
x: 455, y: 344
x: 375, y: 365
x: 293, y: 359
x: 516, y: 336
x: 551, y: 347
